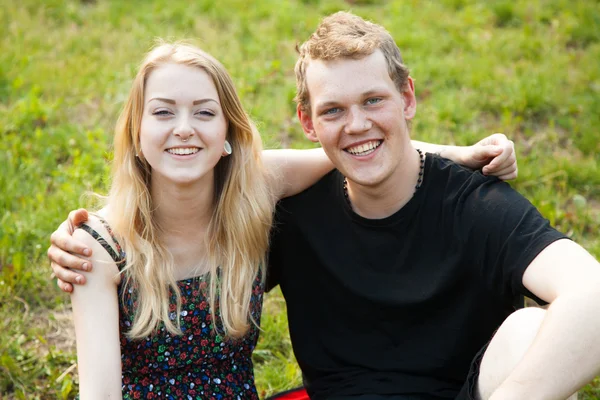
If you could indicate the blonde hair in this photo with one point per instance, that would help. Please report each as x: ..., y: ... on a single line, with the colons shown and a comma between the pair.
x: 344, y: 35
x: 238, y: 232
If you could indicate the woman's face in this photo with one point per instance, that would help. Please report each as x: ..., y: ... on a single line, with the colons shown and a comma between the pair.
x: 183, y: 126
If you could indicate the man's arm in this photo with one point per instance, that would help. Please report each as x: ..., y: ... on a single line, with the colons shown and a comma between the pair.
x: 96, y: 318
x: 62, y: 249
x: 292, y: 171
x: 565, y: 355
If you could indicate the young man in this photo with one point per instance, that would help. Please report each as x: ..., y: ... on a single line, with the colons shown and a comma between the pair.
x: 398, y: 267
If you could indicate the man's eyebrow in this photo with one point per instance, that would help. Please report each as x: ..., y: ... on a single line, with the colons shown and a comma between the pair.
x: 171, y: 101
x: 326, y: 104
x: 376, y: 91
x: 371, y: 92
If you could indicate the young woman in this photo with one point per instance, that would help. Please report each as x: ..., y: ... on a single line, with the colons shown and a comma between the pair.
x: 172, y: 308
x: 186, y: 225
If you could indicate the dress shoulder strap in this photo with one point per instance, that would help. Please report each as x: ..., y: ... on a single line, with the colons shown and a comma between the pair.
x: 119, y: 255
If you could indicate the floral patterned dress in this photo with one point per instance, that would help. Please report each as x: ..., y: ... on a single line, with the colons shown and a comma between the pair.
x: 200, y: 364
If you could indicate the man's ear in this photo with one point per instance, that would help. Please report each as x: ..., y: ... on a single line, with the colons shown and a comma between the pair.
x: 307, y: 124
x: 410, y: 100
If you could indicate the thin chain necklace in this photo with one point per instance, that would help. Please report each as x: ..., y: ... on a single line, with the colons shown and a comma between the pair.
x: 419, y: 181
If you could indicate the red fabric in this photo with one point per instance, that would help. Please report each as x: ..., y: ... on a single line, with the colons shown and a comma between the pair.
x: 294, y: 394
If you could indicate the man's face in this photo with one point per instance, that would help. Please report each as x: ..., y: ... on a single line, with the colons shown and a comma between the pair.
x: 359, y: 116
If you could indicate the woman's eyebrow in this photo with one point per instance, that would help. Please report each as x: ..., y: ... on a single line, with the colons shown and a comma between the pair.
x: 171, y: 101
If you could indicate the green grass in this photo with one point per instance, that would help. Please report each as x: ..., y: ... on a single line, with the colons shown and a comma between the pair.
x: 526, y: 68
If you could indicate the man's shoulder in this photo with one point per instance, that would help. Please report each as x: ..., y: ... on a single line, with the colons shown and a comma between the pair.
x: 480, y: 201
x: 319, y: 192
x: 461, y: 182
x: 448, y: 169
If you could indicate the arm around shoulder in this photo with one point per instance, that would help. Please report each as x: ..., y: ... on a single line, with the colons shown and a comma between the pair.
x: 96, y: 318
x: 495, y: 155
x: 292, y: 171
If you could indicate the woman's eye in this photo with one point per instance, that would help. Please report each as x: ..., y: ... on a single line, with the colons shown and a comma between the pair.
x: 206, y: 113
x: 161, y: 112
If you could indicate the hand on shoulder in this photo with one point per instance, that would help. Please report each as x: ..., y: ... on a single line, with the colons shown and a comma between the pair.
x: 95, y: 234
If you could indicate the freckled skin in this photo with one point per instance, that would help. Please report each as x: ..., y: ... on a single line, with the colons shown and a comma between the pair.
x: 347, y: 111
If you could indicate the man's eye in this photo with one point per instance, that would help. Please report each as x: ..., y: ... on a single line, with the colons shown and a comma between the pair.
x: 373, y: 100
x: 331, y: 111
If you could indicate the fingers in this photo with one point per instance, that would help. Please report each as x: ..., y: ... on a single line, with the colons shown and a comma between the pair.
x: 502, y: 161
x: 506, y: 158
x: 66, y: 277
x: 65, y: 287
x: 62, y: 262
x: 508, y: 177
x: 496, y: 139
x: 487, y: 152
x: 66, y: 260
x: 506, y: 173
x: 77, y: 217
x: 63, y: 240
x: 504, y: 166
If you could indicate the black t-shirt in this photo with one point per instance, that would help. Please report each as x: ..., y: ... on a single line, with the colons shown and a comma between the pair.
x: 401, y: 305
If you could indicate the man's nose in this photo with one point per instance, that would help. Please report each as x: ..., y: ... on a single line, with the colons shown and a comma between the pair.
x: 358, y: 121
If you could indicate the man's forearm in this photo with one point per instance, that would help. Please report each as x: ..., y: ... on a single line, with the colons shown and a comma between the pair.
x: 565, y: 354
x: 446, y: 151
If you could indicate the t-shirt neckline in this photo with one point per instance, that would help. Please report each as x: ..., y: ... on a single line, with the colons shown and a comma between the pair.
x: 408, y: 209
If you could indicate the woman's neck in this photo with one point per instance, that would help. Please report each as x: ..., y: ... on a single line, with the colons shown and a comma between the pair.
x: 180, y: 208
x: 183, y: 213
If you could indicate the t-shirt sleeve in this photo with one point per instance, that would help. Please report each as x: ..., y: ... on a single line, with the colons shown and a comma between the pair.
x: 272, y: 274
x: 504, y: 233
x: 273, y: 259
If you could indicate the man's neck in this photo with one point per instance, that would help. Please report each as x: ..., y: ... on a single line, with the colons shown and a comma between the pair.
x: 390, y: 195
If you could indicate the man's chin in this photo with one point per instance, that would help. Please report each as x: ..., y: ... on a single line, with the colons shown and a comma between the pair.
x: 365, y: 179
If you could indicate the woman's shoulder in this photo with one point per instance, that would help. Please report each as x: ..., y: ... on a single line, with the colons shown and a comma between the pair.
x: 97, y: 234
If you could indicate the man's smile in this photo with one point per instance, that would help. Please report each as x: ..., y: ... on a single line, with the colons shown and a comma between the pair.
x: 364, y: 149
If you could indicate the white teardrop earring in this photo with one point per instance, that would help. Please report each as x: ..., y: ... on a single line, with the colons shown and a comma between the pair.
x: 226, y: 148
x: 139, y: 154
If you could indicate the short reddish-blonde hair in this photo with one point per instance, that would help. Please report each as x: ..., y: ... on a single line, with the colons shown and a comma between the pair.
x: 345, y: 35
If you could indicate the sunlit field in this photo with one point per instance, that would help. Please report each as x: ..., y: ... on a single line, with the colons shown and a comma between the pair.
x: 527, y: 68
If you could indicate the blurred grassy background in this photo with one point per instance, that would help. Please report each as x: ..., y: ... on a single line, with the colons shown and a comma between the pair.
x: 526, y: 68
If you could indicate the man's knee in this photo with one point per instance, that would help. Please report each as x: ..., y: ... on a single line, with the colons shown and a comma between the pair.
x: 518, y: 331
x: 507, y: 348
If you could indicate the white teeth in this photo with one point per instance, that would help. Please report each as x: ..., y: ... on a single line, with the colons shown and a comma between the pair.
x: 364, y: 149
x: 180, y: 151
